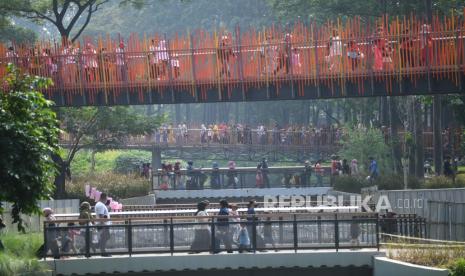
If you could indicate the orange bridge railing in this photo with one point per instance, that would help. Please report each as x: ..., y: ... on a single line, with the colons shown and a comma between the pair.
x: 307, y: 54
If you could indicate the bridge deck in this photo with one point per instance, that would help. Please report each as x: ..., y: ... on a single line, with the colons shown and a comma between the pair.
x: 360, y: 260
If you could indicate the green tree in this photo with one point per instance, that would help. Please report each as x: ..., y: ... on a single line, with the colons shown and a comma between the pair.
x: 28, y: 136
x: 361, y: 143
x: 65, y: 15
x: 99, y: 129
x: 323, y: 10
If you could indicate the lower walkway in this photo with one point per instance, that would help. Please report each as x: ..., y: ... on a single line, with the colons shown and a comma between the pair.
x: 361, y: 261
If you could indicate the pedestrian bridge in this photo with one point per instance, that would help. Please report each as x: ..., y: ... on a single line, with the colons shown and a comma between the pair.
x: 394, y: 57
x: 322, y: 242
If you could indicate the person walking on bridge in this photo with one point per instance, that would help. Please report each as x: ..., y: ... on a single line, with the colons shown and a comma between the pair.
x: 232, y: 175
x: 225, y: 54
x: 266, y: 180
x: 101, y: 212
x: 224, y: 235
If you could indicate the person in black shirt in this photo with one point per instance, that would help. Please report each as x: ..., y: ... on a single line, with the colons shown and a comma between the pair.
x: 345, y: 167
x: 223, y: 233
x: 266, y: 181
x: 306, y: 174
x: 448, y: 171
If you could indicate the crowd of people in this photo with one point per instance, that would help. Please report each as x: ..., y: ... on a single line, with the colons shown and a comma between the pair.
x: 234, y: 231
x: 277, y: 54
x: 223, y: 133
x: 72, y: 240
x: 231, y: 229
x: 71, y: 64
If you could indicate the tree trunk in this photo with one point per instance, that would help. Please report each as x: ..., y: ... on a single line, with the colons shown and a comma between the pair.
x: 383, y: 113
x: 307, y: 113
x: 177, y: 111
x: 149, y: 110
x: 204, y: 112
x: 92, y: 161
x: 437, y: 137
x: 329, y: 114
x: 410, y: 130
x: 419, y: 146
x: 394, y: 137
x: 188, y: 114
x: 60, y: 177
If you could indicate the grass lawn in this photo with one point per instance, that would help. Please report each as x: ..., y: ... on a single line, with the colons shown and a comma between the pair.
x: 19, y: 255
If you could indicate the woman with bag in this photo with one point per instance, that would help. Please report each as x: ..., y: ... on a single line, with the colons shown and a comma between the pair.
x: 85, y: 217
x: 202, y: 236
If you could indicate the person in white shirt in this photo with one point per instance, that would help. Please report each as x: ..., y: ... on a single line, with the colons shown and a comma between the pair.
x: 202, y: 236
x: 335, y: 51
x: 203, y: 134
x: 121, y: 62
x: 153, y: 60
x: 89, y: 58
x: 101, y: 212
x: 162, y: 57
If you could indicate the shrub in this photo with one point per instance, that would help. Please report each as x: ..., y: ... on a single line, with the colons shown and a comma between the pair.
x: 19, y: 255
x: 130, y: 163
x: 22, y: 245
x: 12, y: 265
x: 115, y: 185
x: 354, y: 184
x: 349, y: 184
x: 433, y: 255
x: 458, y: 268
x: 439, y: 182
x: 396, y: 182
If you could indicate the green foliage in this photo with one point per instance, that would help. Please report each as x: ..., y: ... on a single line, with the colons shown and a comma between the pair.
x: 322, y: 10
x: 396, y: 182
x: 130, y: 162
x: 354, y: 184
x: 29, y: 135
x: 115, y: 185
x: 10, y: 265
x: 458, y: 268
x: 361, y: 143
x: 350, y: 184
x: 64, y: 15
x: 9, y: 32
x: 173, y: 17
x: 442, y: 182
x: 22, y: 245
x: 19, y: 255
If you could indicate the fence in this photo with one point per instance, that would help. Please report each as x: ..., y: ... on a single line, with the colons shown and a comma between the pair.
x: 213, y: 234
x: 446, y: 220
x: 443, y: 209
x: 242, y: 178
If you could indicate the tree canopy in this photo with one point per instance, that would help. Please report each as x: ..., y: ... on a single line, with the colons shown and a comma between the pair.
x: 100, y: 129
x: 28, y: 136
x: 65, y: 15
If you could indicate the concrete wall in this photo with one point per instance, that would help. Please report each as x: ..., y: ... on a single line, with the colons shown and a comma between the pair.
x: 388, y: 267
x: 34, y: 223
x: 415, y: 201
x: 185, y: 262
x: 443, y: 209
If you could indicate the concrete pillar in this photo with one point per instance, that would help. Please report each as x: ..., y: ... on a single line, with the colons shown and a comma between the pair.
x: 156, y: 158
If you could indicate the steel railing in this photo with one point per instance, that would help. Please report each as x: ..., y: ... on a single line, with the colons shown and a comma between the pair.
x: 211, y: 234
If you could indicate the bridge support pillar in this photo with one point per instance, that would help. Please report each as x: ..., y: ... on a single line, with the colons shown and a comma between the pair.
x: 156, y: 158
